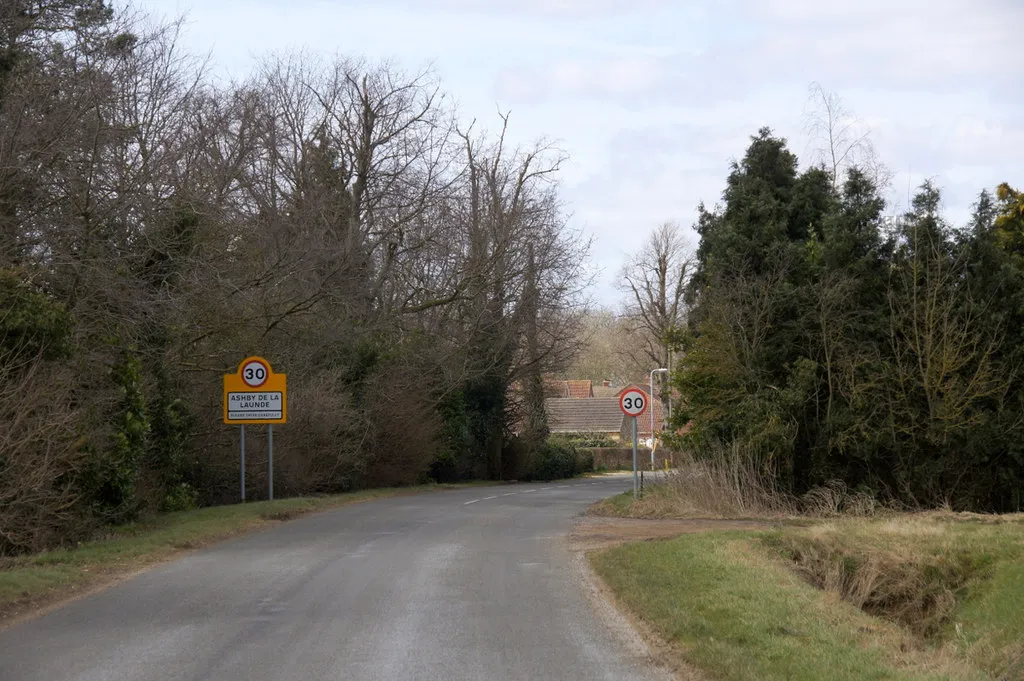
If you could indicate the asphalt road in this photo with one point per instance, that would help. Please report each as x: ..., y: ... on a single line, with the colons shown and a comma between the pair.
x: 470, y: 584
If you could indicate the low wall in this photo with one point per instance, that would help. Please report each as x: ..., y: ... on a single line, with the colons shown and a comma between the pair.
x: 621, y: 458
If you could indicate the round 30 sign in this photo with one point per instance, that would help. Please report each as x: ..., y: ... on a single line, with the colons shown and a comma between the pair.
x: 633, y: 403
x: 255, y: 372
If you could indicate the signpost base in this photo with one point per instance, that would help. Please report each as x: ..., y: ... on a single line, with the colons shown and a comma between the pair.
x: 242, y: 440
x: 636, y: 481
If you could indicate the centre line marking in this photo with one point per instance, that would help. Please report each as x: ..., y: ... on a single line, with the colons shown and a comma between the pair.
x: 471, y: 502
x: 489, y: 498
x: 510, y: 494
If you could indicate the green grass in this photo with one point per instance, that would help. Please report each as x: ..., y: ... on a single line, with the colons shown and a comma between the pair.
x: 731, y: 604
x: 28, y: 582
x: 739, y: 619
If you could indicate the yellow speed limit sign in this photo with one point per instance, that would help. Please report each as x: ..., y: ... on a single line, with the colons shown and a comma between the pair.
x: 255, y: 394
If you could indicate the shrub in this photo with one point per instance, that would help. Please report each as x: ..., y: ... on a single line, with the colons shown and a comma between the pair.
x: 32, y: 323
x: 41, y: 460
x: 586, y: 440
x: 181, y: 497
x: 728, y: 480
x: 557, y: 459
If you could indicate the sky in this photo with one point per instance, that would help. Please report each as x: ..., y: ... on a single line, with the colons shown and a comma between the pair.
x: 652, y: 99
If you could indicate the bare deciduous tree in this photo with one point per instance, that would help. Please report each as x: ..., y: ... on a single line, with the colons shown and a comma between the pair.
x: 655, y: 279
x: 841, y: 139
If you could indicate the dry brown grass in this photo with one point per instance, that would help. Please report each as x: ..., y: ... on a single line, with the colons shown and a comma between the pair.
x: 733, y: 483
x: 730, y: 484
x: 912, y: 569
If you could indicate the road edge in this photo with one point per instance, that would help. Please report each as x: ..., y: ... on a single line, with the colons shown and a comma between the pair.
x: 641, y: 642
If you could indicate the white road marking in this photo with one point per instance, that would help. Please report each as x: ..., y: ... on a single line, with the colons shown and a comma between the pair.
x: 471, y: 502
x: 562, y: 486
x: 489, y: 498
x: 529, y: 490
x: 510, y: 494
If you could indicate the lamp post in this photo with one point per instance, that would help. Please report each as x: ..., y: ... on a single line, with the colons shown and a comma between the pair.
x: 653, y: 371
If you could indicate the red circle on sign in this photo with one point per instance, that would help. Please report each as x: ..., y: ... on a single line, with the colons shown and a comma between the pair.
x: 633, y: 403
x: 255, y: 373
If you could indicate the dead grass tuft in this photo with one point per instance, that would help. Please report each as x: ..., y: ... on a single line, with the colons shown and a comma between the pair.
x: 730, y: 484
x: 834, y: 499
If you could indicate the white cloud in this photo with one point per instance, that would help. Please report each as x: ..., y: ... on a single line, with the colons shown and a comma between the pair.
x: 575, y: 78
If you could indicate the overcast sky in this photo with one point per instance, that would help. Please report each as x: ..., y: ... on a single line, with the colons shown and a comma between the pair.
x: 652, y: 99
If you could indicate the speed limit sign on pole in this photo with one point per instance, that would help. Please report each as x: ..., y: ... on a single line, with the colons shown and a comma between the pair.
x: 634, y: 403
x: 255, y: 394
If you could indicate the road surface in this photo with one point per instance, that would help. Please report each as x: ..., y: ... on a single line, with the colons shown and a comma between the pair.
x: 474, y: 584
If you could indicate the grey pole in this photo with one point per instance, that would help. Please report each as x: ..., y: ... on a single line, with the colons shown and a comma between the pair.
x: 636, y: 480
x: 242, y: 439
x: 270, y: 459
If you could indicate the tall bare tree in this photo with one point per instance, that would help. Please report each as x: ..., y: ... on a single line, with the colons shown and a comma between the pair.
x: 840, y: 139
x: 654, y: 279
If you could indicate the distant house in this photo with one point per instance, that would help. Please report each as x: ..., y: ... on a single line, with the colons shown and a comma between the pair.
x: 594, y: 415
x: 578, y: 406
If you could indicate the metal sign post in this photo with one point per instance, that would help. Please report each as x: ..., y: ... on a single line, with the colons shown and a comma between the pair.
x: 634, y: 403
x: 636, y: 481
x: 270, y: 461
x: 241, y: 439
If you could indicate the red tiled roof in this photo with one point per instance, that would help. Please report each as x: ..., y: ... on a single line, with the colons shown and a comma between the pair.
x: 631, y: 386
x: 580, y: 389
x: 643, y: 425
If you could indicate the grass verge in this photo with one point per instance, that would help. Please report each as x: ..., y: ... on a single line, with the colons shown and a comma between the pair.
x: 34, y: 582
x: 743, y: 605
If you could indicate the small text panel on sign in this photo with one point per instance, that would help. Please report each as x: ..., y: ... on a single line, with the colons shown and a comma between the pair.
x: 255, y: 394
x: 255, y: 406
x: 633, y: 403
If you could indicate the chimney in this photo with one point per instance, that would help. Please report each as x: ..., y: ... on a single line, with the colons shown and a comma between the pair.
x: 606, y: 383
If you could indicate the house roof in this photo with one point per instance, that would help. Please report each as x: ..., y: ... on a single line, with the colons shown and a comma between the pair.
x: 643, y: 424
x: 577, y: 389
x: 605, y: 391
x: 594, y: 415
x: 580, y: 389
x: 632, y: 386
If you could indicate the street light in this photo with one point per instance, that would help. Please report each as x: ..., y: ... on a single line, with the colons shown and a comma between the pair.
x: 653, y: 371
